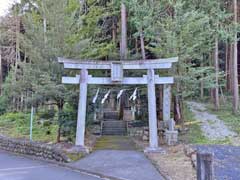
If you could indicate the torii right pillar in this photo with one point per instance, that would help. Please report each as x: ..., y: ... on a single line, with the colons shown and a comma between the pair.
x: 166, y: 102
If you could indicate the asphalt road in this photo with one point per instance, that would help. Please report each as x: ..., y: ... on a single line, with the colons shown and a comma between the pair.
x: 13, y: 167
x: 226, y: 160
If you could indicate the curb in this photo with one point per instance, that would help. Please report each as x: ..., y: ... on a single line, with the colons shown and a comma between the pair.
x: 90, y: 173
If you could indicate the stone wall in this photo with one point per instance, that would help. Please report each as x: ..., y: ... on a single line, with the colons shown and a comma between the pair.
x: 136, y: 128
x: 44, y: 151
x: 135, y: 131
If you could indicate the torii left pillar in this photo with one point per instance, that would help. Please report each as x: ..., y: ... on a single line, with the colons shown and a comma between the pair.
x: 82, y: 108
x: 152, y: 115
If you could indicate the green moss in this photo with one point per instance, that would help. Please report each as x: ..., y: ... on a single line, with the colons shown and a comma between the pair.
x: 115, y: 143
x: 225, y: 141
x: 75, y: 157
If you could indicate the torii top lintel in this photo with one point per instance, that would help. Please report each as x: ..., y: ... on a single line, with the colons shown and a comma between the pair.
x: 126, y: 64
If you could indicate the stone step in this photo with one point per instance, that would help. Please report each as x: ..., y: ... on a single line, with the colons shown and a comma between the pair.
x: 114, y: 132
x: 114, y: 124
x: 111, y: 120
x: 114, y: 127
x: 111, y: 115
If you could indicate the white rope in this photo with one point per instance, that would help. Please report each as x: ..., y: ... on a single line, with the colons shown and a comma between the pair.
x: 105, y: 97
x: 95, y: 97
x: 134, y: 95
x: 120, y: 93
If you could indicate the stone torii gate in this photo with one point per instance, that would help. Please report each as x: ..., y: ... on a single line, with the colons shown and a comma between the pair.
x: 117, y: 78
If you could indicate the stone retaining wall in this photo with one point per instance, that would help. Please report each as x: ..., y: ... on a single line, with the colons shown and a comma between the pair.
x: 135, y: 131
x: 44, y: 151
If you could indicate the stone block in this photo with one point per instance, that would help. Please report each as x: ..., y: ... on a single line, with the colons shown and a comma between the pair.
x: 171, y: 137
x: 145, y: 138
x: 161, y: 125
x: 158, y: 150
x: 127, y: 115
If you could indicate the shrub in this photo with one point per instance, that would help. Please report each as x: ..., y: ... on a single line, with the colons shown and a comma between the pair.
x: 47, y: 114
x: 3, y: 105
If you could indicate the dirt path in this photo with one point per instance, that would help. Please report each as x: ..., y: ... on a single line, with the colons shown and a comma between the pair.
x: 212, y: 127
x: 174, y: 165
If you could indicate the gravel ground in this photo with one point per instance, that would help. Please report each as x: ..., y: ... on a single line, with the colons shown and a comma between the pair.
x: 212, y: 127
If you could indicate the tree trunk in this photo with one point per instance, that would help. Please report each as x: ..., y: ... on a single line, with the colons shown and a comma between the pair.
x: 1, y: 73
x: 136, y: 45
x: 142, y: 45
x: 216, y: 65
x: 60, y: 109
x: 45, y: 29
x: 178, y: 106
x: 235, y: 66
x: 202, y: 85
x: 44, y: 22
x: 123, y: 44
x: 123, y: 49
x: 230, y: 69
x: 114, y: 31
x: 83, y: 6
x: 17, y: 59
x: 227, y: 59
x: 160, y: 107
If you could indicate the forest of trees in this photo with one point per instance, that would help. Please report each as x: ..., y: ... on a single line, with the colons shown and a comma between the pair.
x: 202, y: 33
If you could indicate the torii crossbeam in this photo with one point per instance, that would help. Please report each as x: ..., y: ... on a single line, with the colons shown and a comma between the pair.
x: 117, y: 68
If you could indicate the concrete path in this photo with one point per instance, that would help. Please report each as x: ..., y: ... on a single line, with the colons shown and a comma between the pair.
x: 212, y: 127
x: 14, y: 167
x: 124, y: 165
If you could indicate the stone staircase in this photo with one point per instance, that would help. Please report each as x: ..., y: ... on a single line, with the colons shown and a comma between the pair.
x: 111, y: 125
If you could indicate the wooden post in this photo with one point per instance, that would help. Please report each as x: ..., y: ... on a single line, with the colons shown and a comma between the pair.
x: 166, y: 102
x: 205, y: 166
x: 152, y: 113
x: 31, y: 123
x: 82, y: 108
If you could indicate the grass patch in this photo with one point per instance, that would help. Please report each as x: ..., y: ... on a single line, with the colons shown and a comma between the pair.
x: 75, y: 157
x: 17, y: 125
